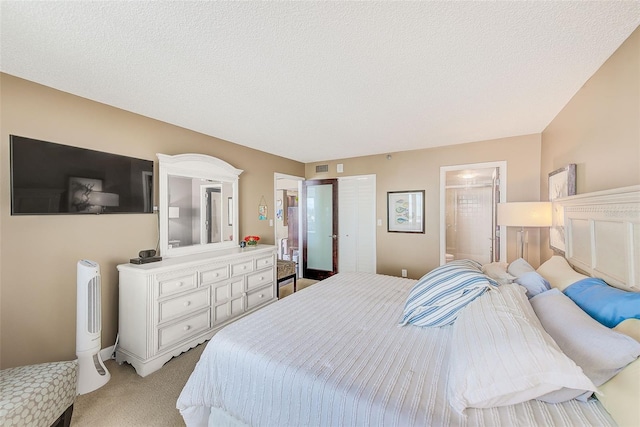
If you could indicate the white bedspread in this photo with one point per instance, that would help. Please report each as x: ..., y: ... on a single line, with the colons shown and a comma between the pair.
x: 333, y: 354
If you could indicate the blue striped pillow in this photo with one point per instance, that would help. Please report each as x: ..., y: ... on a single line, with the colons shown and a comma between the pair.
x: 439, y: 295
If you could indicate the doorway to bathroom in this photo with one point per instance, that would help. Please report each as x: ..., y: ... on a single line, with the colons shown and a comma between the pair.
x: 469, y: 195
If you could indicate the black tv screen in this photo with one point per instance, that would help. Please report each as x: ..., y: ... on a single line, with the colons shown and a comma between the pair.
x: 50, y: 178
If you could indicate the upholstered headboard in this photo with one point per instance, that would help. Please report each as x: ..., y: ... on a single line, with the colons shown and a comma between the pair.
x: 602, y: 235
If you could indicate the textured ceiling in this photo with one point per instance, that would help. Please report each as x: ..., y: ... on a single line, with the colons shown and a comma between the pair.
x: 315, y: 81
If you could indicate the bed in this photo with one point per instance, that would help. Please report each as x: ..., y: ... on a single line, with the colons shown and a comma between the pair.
x: 336, y: 354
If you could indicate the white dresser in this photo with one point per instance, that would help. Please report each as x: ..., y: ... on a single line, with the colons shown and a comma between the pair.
x: 170, y: 306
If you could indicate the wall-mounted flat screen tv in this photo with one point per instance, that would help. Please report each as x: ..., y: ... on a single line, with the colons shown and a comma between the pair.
x: 50, y: 178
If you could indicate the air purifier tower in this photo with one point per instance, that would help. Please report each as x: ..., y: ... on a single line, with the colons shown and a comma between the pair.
x: 92, y: 374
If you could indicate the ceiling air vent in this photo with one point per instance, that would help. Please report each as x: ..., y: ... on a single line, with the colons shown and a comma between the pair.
x: 322, y: 168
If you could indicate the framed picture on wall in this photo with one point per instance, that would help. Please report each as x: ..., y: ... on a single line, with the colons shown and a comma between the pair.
x: 562, y: 183
x: 79, y: 192
x: 405, y: 211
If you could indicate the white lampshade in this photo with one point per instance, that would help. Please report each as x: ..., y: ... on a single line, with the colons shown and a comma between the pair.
x: 524, y: 214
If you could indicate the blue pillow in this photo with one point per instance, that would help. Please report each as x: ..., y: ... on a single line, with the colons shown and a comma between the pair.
x: 534, y: 283
x: 604, y: 303
x: 439, y: 295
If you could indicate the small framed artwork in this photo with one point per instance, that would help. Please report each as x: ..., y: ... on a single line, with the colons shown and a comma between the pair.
x: 562, y: 183
x: 262, y: 209
x: 405, y: 211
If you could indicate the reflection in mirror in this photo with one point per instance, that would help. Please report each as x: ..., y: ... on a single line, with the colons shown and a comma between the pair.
x: 197, y: 204
x: 197, y: 213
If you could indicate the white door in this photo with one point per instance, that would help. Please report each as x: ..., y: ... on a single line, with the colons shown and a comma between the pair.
x: 357, y: 224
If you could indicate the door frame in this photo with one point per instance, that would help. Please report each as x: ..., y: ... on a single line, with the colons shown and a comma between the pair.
x: 321, y: 274
x: 205, y: 211
x: 502, y: 166
x: 276, y: 177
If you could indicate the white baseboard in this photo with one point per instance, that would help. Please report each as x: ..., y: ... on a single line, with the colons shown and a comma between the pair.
x: 107, y: 353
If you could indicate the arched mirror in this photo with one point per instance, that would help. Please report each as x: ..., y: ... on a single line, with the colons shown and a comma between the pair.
x: 198, y: 204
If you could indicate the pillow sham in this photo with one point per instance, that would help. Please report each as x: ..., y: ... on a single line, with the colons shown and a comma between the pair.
x: 498, y: 272
x: 598, y: 350
x: 559, y: 273
x: 533, y: 283
x: 501, y: 355
x: 621, y: 394
x: 519, y: 267
x: 439, y: 295
x: 606, y: 304
x: 629, y: 327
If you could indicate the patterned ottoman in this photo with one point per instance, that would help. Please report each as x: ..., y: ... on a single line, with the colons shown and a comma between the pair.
x: 286, y: 271
x: 38, y: 395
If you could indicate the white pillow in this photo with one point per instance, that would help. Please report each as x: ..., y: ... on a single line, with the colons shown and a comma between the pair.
x: 519, y: 267
x: 501, y: 355
x: 559, y: 273
x: 498, y: 272
x: 598, y: 350
x: 534, y: 283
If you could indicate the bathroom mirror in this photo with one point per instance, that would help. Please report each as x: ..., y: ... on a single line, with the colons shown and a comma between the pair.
x: 198, y: 204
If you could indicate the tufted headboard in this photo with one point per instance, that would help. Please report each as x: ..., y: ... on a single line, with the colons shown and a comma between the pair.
x: 602, y: 234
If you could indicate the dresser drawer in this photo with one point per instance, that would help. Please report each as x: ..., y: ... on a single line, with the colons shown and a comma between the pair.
x: 259, y: 296
x: 184, y: 329
x: 184, y: 304
x: 263, y: 262
x: 228, y: 310
x: 242, y: 268
x: 214, y: 275
x: 230, y: 289
x: 259, y: 279
x: 177, y: 284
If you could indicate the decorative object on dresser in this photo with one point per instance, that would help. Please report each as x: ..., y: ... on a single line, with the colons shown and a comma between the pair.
x: 252, y: 240
x: 145, y: 257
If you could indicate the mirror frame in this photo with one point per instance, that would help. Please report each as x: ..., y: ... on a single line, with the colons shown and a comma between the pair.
x: 194, y: 166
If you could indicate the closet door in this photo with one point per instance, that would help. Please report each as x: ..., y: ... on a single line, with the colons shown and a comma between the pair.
x: 357, y: 225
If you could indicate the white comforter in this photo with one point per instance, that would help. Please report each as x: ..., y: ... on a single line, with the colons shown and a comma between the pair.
x: 333, y: 354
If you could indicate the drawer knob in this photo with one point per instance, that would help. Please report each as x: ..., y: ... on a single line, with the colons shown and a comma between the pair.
x: 215, y: 274
x: 261, y: 296
x: 244, y: 267
x: 187, y: 327
x: 179, y: 284
x: 261, y: 277
x: 187, y: 303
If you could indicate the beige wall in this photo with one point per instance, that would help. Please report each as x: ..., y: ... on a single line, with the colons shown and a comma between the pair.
x: 420, y: 170
x: 599, y: 129
x: 39, y: 253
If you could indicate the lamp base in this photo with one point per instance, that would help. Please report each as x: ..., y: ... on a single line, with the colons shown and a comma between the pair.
x: 522, y: 239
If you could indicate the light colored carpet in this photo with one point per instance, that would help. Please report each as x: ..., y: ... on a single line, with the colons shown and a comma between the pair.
x: 130, y: 400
